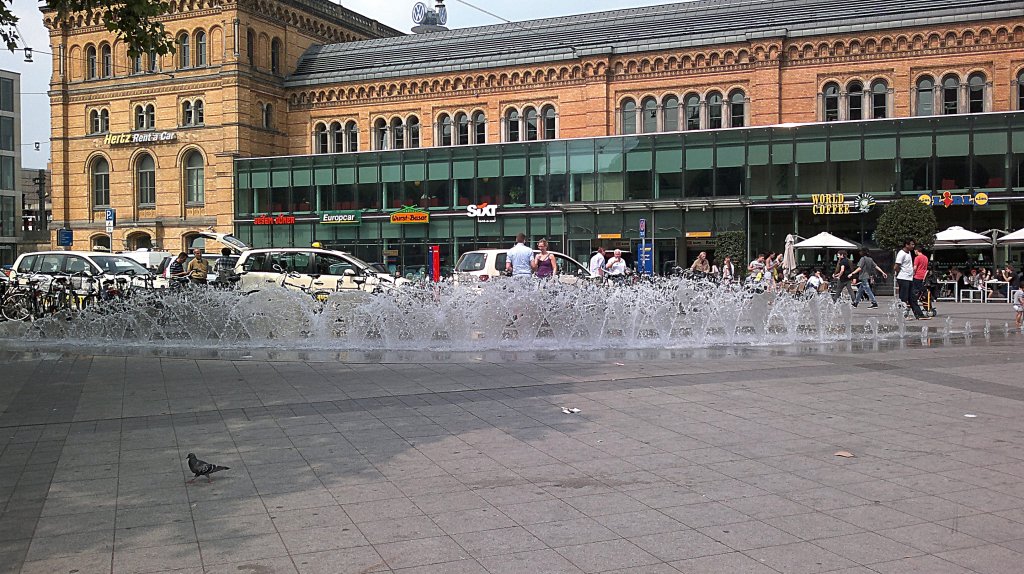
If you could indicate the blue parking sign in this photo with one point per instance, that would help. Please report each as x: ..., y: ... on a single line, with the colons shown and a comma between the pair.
x: 110, y: 214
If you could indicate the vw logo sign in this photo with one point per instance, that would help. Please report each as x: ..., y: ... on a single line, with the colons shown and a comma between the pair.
x: 419, y: 12
x: 442, y: 15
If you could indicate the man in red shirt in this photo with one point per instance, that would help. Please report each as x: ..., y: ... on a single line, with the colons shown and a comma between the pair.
x: 920, y: 271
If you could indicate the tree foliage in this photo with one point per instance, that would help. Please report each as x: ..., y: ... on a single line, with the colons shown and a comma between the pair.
x: 136, y: 22
x: 732, y: 244
x: 906, y: 219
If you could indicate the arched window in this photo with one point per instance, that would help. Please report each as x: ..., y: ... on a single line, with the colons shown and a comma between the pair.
x: 195, y: 192
x: 530, y: 115
x: 200, y: 48
x: 976, y: 93
x: 352, y: 137
x: 649, y: 122
x: 479, y: 128
x: 140, y: 117
x: 398, y: 133
x: 198, y: 113
x: 1020, y: 90
x: 268, y: 115
x: 275, y: 56
x: 879, y: 99
x: 831, y: 102
x: 320, y: 140
x: 186, y: 113
x: 137, y: 64
x: 184, y: 56
x: 444, y: 124
x: 250, y: 47
x: 90, y: 63
x: 737, y: 109
x: 670, y: 114
x: 550, y: 124
x: 855, y: 101
x: 925, y: 96
x: 714, y: 110
x: 100, y: 182
x: 380, y: 134
x: 693, y: 112
x: 106, y: 61
x: 512, y: 126
x: 628, y: 116
x: 150, y: 116
x: 104, y: 120
x: 335, y: 136
x: 950, y: 95
x: 154, y: 61
x: 145, y: 179
x: 94, y: 122
x: 462, y: 127
x: 100, y: 242
x: 414, y: 131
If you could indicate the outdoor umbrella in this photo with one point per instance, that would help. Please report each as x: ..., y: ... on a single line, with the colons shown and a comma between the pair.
x: 789, y: 257
x: 825, y: 240
x: 957, y: 236
x: 1015, y: 238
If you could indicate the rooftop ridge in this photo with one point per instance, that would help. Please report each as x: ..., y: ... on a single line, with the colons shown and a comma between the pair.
x: 627, y: 30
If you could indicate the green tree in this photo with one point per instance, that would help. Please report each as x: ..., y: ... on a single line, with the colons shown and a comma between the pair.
x: 906, y: 219
x: 134, y: 21
x: 732, y: 244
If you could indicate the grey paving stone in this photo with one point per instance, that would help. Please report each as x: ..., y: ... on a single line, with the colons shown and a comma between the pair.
x: 799, y: 558
x: 227, y: 550
x: 473, y: 520
x: 91, y: 563
x: 989, y: 559
x: 156, y: 559
x: 919, y: 565
x: 359, y: 559
x: 630, y: 524
x: 600, y: 556
x: 46, y: 547
x: 731, y: 563
x: 705, y: 514
x: 534, y: 562
x: 867, y: 548
x: 679, y: 545
x: 498, y: 541
x: 421, y: 552
x: 384, y: 531
x: 571, y: 532
x: 540, y: 511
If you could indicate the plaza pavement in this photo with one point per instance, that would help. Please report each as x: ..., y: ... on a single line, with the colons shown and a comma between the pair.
x: 718, y: 461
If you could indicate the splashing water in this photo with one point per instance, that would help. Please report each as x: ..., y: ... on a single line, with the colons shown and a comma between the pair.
x: 502, y: 314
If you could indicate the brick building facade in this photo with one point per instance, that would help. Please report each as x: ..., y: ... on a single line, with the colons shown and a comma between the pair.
x: 693, y: 67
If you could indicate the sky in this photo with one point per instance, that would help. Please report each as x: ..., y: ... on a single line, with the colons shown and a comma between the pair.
x: 35, y: 76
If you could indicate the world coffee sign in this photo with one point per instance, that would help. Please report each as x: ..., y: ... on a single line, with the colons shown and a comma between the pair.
x: 838, y: 204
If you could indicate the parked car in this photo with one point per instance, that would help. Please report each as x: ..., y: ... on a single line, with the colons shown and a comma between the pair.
x: 484, y: 264
x: 100, y: 265
x: 149, y: 259
x: 317, y: 268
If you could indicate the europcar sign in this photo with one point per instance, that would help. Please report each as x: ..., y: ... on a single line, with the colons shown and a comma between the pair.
x: 335, y: 217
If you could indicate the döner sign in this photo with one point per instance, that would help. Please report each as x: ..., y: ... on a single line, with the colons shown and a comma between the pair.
x: 275, y: 220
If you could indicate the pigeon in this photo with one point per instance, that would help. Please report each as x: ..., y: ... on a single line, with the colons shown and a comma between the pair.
x: 202, y: 468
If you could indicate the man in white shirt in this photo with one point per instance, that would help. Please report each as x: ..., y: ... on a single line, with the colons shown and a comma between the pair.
x: 904, y: 269
x: 597, y: 263
x: 519, y: 257
x: 616, y: 267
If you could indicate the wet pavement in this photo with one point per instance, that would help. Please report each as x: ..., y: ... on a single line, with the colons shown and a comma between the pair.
x: 696, y: 461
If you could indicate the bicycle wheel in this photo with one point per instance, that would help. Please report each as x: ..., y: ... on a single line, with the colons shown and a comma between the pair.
x: 17, y: 307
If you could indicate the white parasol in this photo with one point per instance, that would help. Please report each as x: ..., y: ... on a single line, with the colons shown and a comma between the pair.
x: 789, y: 257
x: 1015, y: 238
x: 825, y: 240
x: 957, y: 236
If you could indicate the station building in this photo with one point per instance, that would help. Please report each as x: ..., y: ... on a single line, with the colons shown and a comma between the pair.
x: 698, y: 118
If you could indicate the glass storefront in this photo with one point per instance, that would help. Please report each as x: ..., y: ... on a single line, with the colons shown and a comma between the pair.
x: 687, y: 186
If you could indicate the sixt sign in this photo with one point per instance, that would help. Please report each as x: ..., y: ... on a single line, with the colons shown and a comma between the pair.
x: 484, y: 213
